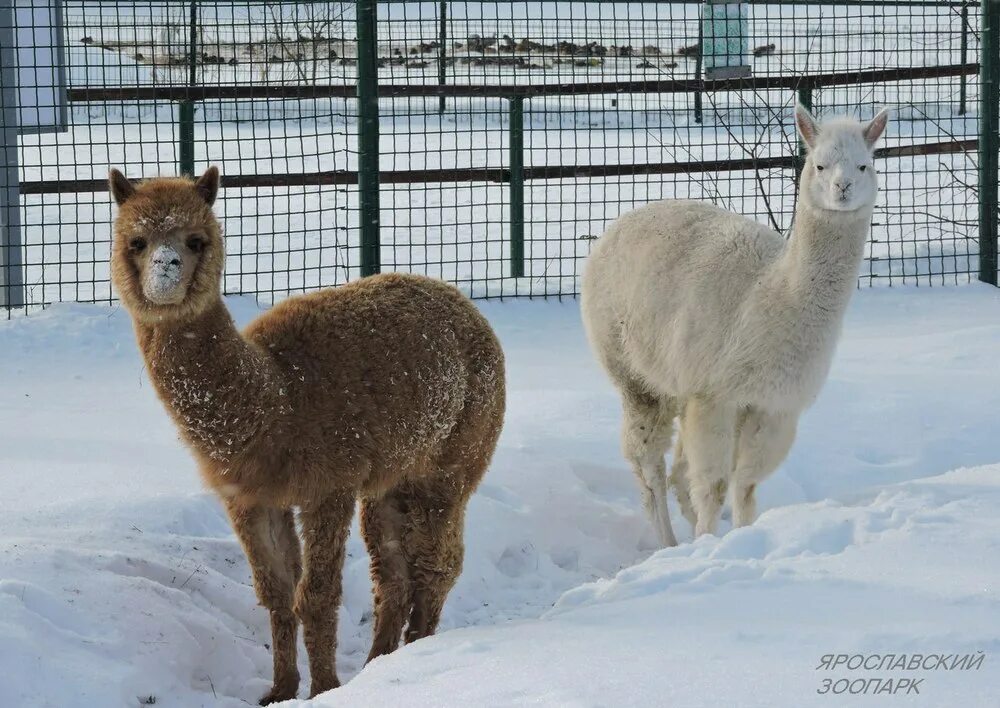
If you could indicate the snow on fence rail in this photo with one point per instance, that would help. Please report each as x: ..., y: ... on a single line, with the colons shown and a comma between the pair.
x: 490, y: 143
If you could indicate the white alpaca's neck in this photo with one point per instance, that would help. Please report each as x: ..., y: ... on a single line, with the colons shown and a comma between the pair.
x: 793, y: 316
x: 819, y: 266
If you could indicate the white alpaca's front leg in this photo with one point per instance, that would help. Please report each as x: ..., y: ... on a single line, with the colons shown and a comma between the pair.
x: 764, y: 441
x: 709, y: 440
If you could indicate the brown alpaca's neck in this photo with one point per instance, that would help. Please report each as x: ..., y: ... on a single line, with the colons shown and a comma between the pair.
x: 219, y: 388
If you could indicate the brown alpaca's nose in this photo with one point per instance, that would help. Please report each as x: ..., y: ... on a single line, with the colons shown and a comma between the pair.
x: 161, y: 260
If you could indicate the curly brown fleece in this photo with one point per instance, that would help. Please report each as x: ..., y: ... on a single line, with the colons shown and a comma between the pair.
x: 390, y: 388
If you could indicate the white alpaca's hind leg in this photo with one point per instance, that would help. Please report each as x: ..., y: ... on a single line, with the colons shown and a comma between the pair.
x: 679, y: 481
x: 709, y: 429
x: 646, y: 433
x: 764, y: 441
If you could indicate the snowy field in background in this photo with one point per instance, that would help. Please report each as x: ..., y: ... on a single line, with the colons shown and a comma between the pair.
x: 120, y: 578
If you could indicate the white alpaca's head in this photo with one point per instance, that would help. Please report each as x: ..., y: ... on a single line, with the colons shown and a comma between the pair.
x: 838, y: 174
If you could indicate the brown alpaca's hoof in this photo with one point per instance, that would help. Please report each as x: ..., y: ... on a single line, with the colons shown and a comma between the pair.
x: 278, y: 693
x: 322, y: 686
x: 376, y: 652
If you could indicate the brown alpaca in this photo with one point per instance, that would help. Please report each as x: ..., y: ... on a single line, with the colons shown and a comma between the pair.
x: 390, y: 389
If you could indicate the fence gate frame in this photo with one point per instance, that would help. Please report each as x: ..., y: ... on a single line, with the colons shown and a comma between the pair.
x: 11, y: 270
x: 13, y: 124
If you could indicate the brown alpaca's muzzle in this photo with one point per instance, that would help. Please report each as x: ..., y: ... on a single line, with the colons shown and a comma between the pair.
x: 165, y: 283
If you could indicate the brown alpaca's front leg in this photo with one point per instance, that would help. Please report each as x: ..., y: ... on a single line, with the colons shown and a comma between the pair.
x: 272, y: 548
x: 317, y: 598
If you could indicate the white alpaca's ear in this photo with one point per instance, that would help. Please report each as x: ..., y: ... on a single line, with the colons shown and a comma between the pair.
x: 208, y: 185
x: 121, y: 188
x: 806, y: 124
x: 874, y: 129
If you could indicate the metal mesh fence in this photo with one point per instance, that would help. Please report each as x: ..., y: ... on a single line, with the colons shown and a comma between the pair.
x: 128, y: 63
x: 599, y: 139
x: 509, y: 134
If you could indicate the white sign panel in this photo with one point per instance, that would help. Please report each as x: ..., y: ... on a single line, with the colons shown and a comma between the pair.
x: 41, y: 75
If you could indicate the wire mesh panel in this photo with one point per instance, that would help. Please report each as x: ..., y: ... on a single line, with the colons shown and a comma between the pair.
x: 510, y: 134
x: 615, y: 115
x: 129, y: 66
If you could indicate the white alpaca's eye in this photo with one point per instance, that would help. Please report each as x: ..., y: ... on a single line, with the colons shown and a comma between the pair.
x: 820, y: 168
x: 862, y: 167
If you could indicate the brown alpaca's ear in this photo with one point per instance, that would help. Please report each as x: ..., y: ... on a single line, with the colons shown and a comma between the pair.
x: 208, y: 185
x: 121, y: 188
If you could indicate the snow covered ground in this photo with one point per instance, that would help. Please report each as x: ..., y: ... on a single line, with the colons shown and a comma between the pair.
x: 120, y: 581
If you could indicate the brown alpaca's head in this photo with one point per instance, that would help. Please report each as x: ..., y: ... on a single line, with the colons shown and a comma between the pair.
x: 167, y: 251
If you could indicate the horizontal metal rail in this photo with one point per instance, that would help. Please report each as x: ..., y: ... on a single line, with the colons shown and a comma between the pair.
x: 249, y: 92
x: 502, y: 176
x: 765, y: 3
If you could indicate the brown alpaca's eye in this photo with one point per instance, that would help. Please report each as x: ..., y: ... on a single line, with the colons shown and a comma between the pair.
x: 195, y: 243
x: 137, y: 245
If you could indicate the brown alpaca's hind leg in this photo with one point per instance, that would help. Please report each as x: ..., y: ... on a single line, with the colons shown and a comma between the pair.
x: 382, y: 528
x: 434, y: 546
x: 434, y: 576
x: 272, y: 548
x: 317, y: 599
x: 434, y: 527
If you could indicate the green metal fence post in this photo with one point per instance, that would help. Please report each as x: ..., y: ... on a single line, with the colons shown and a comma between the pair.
x: 964, y: 51
x: 185, y: 111
x: 443, y: 53
x: 989, y: 141
x: 368, y: 133
x: 517, y: 187
x: 698, y: 73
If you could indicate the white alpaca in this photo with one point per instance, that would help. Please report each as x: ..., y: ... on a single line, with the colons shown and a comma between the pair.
x: 707, y: 315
